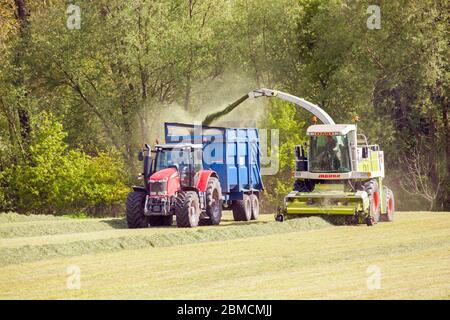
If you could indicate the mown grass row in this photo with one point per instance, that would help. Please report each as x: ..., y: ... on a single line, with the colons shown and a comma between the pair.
x: 12, y: 217
x: 33, y: 226
x: 27, y: 253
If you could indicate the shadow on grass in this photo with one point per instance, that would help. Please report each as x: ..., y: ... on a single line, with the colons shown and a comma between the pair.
x: 117, y: 223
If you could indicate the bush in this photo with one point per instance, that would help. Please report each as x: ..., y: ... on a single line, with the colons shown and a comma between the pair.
x: 54, y: 179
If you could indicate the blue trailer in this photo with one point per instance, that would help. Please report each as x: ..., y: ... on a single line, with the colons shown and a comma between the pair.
x: 198, y: 171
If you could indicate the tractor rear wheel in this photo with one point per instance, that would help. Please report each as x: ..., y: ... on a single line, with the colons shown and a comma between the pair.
x: 255, y: 206
x: 390, y: 206
x: 242, y: 209
x: 371, y: 187
x: 213, y: 197
x: 135, y: 210
x: 187, y: 209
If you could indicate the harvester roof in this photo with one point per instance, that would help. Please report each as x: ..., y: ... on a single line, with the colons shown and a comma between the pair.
x: 330, y: 129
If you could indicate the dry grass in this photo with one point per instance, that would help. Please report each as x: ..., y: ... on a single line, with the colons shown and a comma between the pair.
x: 305, y: 259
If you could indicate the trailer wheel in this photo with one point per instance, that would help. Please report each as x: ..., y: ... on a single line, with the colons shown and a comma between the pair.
x: 135, y: 210
x: 242, y: 209
x: 213, y: 202
x: 187, y: 209
x: 371, y: 187
x: 255, y: 206
x: 390, y: 206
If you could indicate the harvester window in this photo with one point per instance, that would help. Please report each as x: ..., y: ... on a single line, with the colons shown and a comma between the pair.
x: 329, y: 154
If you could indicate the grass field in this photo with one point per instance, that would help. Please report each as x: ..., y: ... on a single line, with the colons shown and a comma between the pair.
x: 299, y: 259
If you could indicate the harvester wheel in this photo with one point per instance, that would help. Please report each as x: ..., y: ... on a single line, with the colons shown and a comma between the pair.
x: 187, y: 209
x: 390, y: 206
x: 135, y: 210
x: 370, y: 221
x: 213, y: 202
x: 255, y: 206
x: 242, y: 209
x: 371, y: 187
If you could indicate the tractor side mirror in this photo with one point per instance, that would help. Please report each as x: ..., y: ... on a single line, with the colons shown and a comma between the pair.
x: 141, y: 155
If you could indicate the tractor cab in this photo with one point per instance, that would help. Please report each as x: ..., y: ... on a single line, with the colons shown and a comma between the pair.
x: 185, y: 158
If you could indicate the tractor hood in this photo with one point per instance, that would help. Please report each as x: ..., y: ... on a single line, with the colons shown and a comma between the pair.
x: 164, y: 174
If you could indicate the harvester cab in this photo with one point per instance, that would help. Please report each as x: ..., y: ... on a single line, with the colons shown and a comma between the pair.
x: 185, y: 158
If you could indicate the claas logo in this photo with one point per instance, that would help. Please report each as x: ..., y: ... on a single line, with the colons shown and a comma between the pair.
x: 329, y: 176
x: 325, y: 133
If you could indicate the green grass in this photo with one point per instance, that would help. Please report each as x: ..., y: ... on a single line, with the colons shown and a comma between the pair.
x: 28, y: 249
x: 297, y: 259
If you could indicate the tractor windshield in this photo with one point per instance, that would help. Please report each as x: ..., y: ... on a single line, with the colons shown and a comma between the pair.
x: 173, y: 157
x: 329, y: 153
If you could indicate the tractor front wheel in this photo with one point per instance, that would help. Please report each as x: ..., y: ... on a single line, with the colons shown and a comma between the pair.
x: 187, y: 209
x: 135, y: 210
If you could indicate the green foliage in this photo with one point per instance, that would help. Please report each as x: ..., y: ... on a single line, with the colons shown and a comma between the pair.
x: 54, y: 179
x: 285, y: 118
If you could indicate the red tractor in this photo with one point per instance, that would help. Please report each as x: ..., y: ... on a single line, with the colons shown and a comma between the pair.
x: 175, y: 183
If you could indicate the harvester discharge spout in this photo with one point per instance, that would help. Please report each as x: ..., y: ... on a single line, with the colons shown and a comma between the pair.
x: 269, y: 93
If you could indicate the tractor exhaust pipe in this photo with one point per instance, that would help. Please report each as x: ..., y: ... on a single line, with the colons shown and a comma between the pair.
x: 144, y: 155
